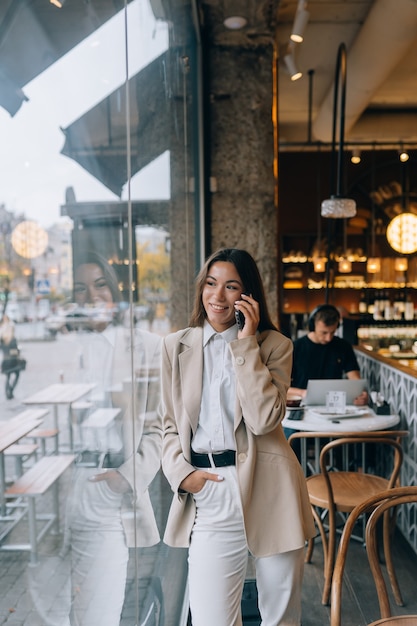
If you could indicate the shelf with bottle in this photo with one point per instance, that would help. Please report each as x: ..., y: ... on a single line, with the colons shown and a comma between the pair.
x: 362, y: 304
x: 388, y: 304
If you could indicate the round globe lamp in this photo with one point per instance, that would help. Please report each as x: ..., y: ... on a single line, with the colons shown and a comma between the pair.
x: 402, y: 233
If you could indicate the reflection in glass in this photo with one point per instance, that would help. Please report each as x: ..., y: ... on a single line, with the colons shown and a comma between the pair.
x: 97, y: 124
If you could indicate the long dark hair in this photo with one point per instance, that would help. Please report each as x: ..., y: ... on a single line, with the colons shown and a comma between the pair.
x: 249, y: 274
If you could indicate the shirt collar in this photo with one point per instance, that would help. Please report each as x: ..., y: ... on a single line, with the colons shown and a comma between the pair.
x: 228, y: 335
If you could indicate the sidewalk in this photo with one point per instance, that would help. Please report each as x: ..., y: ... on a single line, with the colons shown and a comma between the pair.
x: 39, y: 595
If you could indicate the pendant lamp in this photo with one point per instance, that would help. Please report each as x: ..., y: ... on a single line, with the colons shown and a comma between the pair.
x: 337, y: 206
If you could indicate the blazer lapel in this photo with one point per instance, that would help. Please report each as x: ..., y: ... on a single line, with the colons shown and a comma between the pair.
x: 191, y: 368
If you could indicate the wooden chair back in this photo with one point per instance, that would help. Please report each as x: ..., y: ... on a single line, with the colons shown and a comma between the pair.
x: 340, y: 491
x: 382, y: 504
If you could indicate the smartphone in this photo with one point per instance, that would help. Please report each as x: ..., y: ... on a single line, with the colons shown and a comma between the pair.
x: 240, y: 319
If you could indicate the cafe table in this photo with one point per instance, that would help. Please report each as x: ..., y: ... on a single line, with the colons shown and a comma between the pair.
x: 11, y: 431
x: 313, y: 419
x: 60, y: 394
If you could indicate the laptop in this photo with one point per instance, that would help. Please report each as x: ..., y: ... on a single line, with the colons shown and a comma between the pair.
x: 317, y: 389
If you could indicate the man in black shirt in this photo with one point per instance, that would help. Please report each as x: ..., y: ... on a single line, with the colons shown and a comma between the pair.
x: 321, y: 354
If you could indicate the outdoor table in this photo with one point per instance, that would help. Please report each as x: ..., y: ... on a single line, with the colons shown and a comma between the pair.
x: 11, y: 431
x: 61, y: 394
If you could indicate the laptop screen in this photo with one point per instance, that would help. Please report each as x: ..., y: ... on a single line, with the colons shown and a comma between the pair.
x: 317, y: 389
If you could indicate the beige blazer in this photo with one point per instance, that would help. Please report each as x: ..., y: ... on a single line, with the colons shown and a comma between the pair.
x: 276, y: 508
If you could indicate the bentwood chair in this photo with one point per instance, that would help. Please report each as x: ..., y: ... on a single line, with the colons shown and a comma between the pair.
x: 343, y: 482
x: 383, y: 504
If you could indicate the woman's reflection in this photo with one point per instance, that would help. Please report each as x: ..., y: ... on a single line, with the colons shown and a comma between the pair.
x: 110, y: 508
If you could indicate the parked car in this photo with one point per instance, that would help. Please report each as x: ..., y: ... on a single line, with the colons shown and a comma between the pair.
x: 79, y: 318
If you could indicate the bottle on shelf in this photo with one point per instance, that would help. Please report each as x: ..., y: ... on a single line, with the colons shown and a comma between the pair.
x: 388, y: 307
x: 409, y: 308
x: 363, y: 305
x: 378, y: 306
x: 398, y: 306
x: 371, y: 304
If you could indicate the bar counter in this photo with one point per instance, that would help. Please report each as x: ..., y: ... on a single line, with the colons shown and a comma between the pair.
x: 402, y: 361
x: 396, y: 379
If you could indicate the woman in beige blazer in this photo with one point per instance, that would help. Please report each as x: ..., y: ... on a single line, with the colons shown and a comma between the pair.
x: 237, y: 485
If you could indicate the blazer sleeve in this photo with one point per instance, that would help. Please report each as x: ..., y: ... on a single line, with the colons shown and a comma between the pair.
x: 263, y: 374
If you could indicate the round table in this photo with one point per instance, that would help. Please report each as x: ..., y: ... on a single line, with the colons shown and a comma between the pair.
x: 312, y: 422
x: 367, y: 422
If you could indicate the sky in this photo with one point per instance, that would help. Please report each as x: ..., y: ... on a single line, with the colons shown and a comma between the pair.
x: 34, y: 174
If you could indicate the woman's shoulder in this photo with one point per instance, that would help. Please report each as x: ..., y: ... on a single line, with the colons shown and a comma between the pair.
x: 273, y: 337
x: 184, y: 335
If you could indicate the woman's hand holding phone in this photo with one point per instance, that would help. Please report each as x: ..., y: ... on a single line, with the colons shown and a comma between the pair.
x: 248, y: 309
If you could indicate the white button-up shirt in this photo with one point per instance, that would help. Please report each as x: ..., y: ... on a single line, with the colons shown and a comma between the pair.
x: 215, y: 431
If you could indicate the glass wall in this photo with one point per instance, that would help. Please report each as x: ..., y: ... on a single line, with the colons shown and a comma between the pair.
x: 100, y: 229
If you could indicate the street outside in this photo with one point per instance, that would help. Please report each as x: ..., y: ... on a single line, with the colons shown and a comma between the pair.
x: 22, y: 598
x: 45, y: 359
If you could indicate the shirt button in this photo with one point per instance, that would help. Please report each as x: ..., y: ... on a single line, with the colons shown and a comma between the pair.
x: 240, y: 360
x: 242, y: 457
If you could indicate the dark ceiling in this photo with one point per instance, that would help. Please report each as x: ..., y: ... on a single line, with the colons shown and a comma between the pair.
x: 381, y: 45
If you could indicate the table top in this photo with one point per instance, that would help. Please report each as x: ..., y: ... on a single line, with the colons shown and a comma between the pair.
x: 368, y: 421
x: 60, y: 393
x: 14, y: 429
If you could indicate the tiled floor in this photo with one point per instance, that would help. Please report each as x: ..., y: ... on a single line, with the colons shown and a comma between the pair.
x: 162, y: 573
x: 160, y: 588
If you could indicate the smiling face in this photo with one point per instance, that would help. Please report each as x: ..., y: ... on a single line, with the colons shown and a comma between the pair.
x: 222, y: 288
x: 90, y: 285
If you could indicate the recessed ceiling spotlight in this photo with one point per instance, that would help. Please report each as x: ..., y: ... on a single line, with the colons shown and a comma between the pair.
x: 403, y: 155
x: 235, y: 22
x: 356, y: 156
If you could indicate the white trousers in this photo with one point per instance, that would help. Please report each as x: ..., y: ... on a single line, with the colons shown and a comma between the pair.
x: 99, y: 553
x: 218, y: 558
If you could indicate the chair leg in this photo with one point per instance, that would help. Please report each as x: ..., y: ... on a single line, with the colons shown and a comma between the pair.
x: 330, y: 556
x: 388, y: 530
x: 309, y: 551
x: 323, y: 537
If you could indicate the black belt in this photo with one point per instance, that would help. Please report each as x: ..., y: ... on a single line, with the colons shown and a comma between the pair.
x: 220, y: 459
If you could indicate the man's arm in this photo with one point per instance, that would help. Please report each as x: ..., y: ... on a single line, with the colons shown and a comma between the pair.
x: 296, y: 391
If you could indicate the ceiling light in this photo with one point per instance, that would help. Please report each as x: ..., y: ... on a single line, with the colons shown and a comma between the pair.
x: 337, y: 206
x: 356, y: 156
x: 373, y: 265
x: 345, y: 266
x: 402, y: 233
x: 300, y: 22
x: 403, y: 155
x: 289, y: 61
x: 234, y: 22
x: 401, y: 264
x: 58, y: 3
x: 319, y: 263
